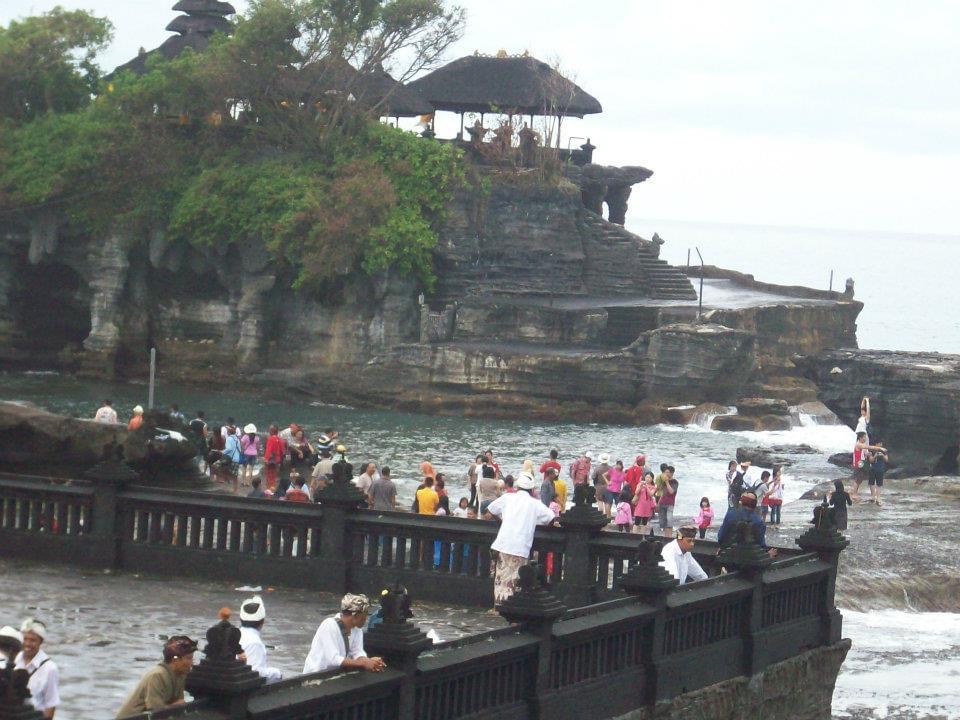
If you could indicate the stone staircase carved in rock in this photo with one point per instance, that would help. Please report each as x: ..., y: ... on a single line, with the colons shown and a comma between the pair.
x: 658, y: 279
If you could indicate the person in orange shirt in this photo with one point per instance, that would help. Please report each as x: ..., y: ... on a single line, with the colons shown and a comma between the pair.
x: 137, y: 420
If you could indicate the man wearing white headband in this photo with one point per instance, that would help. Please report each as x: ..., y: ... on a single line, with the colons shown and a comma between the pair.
x: 252, y: 616
x: 338, y: 642
x: 678, y: 559
x: 44, y: 683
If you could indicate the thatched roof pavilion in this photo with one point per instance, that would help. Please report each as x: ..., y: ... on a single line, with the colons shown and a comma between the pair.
x: 203, y: 18
x: 518, y: 85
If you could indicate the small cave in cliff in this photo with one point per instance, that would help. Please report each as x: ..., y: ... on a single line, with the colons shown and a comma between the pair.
x: 50, y: 304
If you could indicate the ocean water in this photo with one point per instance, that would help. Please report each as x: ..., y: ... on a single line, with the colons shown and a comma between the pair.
x: 404, y: 440
x: 908, y: 283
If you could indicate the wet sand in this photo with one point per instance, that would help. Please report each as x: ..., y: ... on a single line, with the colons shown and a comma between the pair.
x: 107, y: 629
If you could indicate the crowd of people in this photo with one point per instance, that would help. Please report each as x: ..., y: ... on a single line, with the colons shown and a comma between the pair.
x: 286, y: 465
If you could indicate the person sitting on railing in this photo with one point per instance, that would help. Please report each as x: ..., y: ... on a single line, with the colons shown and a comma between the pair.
x: 678, y: 559
x: 520, y: 514
x: 338, y: 642
x: 163, y: 685
x: 746, y: 512
x: 252, y: 616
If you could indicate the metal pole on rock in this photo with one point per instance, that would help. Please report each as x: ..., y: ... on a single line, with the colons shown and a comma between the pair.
x: 700, y: 306
x: 153, y: 376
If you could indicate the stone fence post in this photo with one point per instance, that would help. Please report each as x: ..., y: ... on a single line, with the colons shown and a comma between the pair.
x: 651, y: 584
x: 825, y: 540
x: 338, y: 499
x: 750, y: 560
x: 399, y: 643
x: 582, y: 523
x: 536, y: 609
x: 109, y: 477
x: 220, y: 677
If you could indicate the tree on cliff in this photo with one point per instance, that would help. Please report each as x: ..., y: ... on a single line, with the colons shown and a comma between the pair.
x: 47, y: 62
x: 263, y: 136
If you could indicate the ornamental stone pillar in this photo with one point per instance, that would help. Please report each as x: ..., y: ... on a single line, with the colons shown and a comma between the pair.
x: 338, y: 499
x: 582, y: 523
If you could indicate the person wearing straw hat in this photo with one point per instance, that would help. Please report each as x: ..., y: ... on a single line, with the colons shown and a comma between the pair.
x: 605, y: 501
x: 252, y: 616
x: 11, y: 640
x: 678, y: 559
x: 338, y: 642
x: 163, y: 685
x: 44, y: 683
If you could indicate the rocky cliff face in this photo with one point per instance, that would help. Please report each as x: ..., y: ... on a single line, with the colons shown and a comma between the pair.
x: 542, y: 307
x: 914, y: 401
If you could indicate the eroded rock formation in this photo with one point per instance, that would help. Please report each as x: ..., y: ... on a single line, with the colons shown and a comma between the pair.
x: 541, y: 307
x: 914, y: 401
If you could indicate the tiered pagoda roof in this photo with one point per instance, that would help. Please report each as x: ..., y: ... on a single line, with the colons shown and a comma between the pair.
x: 201, y: 19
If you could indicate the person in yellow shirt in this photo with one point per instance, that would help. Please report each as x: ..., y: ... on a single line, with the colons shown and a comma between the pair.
x: 560, y: 485
x: 427, y: 498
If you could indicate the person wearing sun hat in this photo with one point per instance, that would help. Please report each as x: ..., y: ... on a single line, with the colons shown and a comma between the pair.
x: 44, y: 681
x: 11, y: 640
x: 678, y: 557
x: 162, y: 686
x: 252, y: 616
x: 338, y: 642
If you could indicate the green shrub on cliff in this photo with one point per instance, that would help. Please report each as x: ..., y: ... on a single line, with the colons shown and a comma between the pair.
x: 217, y: 147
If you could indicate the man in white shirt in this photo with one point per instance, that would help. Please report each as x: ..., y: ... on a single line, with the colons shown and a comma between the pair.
x: 252, y: 616
x: 678, y: 557
x: 520, y: 514
x: 106, y: 414
x: 365, y: 479
x: 44, y: 683
x: 338, y: 642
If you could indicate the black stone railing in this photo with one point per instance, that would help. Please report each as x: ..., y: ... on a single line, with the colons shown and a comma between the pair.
x: 610, y: 634
x: 326, y: 546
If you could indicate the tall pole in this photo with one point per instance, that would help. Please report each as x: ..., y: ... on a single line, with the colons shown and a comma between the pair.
x: 831, y: 281
x: 700, y: 306
x: 153, y: 377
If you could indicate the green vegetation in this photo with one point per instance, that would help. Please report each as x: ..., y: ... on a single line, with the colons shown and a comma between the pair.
x: 256, y: 137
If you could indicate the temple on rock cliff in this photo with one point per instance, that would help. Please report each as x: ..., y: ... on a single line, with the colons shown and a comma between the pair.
x: 541, y: 306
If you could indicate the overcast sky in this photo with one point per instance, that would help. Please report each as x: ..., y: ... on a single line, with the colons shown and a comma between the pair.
x: 818, y: 114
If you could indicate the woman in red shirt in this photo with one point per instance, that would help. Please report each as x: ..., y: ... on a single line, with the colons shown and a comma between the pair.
x: 273, y: 456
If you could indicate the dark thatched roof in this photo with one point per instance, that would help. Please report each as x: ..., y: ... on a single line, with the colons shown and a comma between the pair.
x: 374, y: 89
x: 521, y: 85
